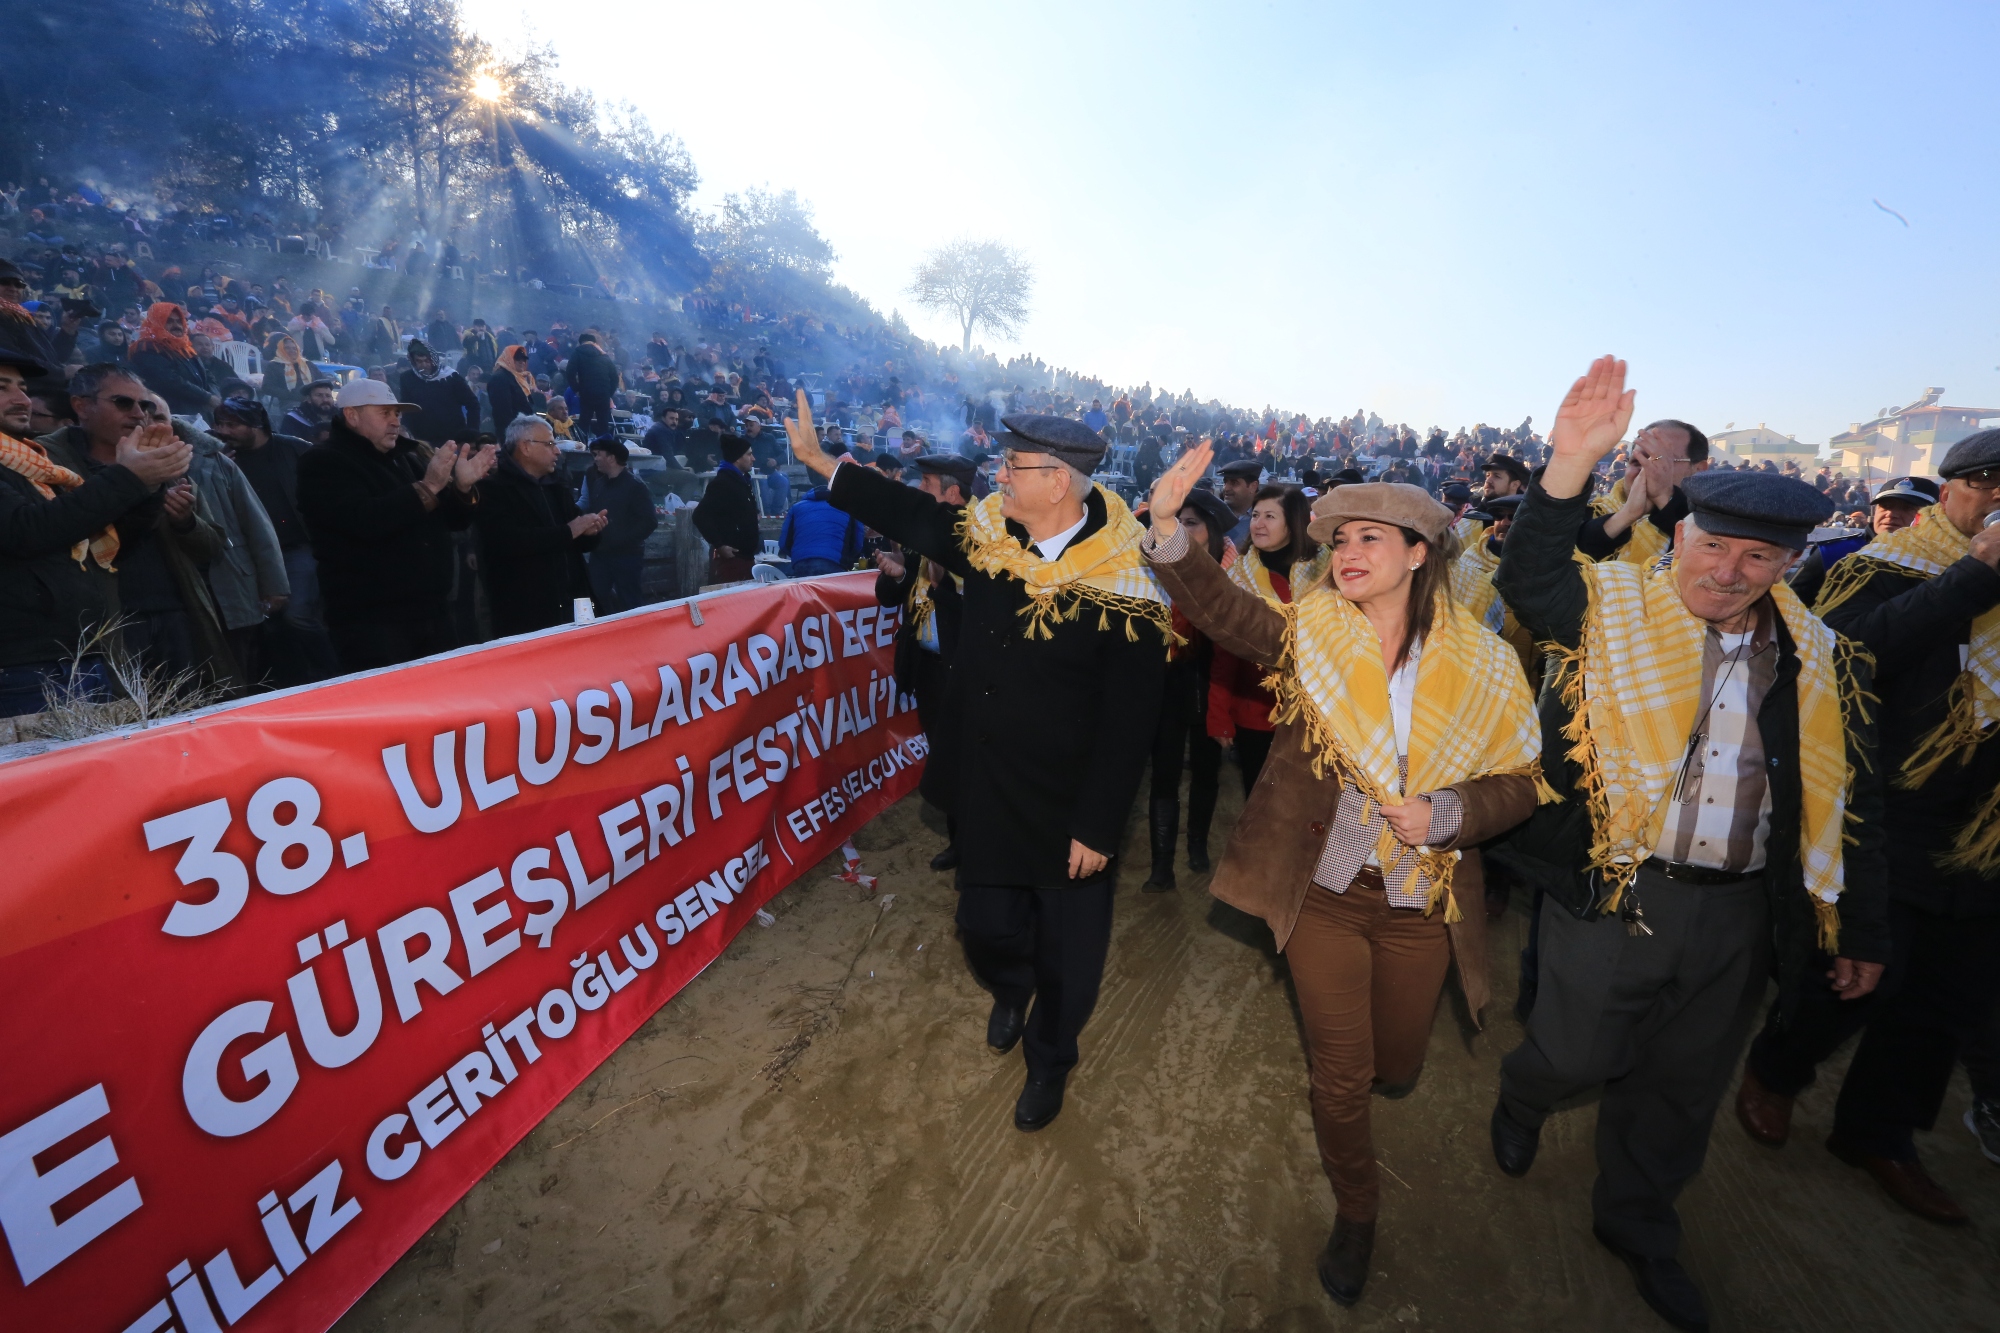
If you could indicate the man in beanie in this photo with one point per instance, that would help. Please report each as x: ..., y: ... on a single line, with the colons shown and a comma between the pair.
x: 726, y: 518
x: 1721, y: 813
x: 447, y: 408
x: 1063, y: 650
x: 1925, y: 600
x: 927, y: 640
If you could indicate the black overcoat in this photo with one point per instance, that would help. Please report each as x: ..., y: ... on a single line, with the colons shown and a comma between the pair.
x: 1053, y: 734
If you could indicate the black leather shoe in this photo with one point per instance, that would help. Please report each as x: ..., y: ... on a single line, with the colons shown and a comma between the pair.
x: 1664, y: 1285
x: 1040, y: 1102
x: 1343, y: 1264
x: 1513, y: 1147
x: 1003, y: 1026
x: 946, y: 859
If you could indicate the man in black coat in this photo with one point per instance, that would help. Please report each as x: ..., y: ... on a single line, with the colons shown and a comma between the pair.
x: 926, y: 642
x: 1055, y: 698
x: 610, y: 488
x: 1928, y: 608
x: 595, y: 377
x: 726, y: 518
x: 58, y: 552
x: 1651, y: 973
x: 531, y: 535
x: 381, y: 508
x: 447, y: 408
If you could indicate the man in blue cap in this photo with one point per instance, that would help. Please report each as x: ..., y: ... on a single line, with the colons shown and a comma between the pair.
x: 1055, y: 688
x: 1721, y: 812
x: 1925, y: 600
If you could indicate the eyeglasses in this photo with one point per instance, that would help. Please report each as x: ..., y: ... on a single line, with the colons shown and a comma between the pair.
x: 1986, y: 479
x: 1012, y: 466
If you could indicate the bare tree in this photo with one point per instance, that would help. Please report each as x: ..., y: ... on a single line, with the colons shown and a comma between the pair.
x: 981, y: 283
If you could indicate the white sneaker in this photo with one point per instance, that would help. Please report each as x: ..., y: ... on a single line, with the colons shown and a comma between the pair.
x: 1984, y: 1122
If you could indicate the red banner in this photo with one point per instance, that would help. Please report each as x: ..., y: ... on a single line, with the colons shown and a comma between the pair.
x: 281, y: 981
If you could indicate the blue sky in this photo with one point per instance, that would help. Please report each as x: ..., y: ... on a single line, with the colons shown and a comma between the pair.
x: 1436, y: 211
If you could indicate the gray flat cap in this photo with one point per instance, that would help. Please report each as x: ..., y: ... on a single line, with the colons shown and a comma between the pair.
x: 1971, y: 454
x: 1761, y: 506
x: 1071, y: 441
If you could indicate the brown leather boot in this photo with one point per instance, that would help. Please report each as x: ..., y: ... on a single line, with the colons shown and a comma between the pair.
x: 1766, y: 1115
x: 1343, y: 1264
x: 1905, y: 1182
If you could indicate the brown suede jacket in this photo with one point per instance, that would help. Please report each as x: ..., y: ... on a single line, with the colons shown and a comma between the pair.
x: 1276, y: 844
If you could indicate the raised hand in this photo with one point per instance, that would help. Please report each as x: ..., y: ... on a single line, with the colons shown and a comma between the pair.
x: 1588, y: 426
x: 889, y: 564
x: 473, y: 464
x: 1170, y: 492
x: 805, y: 440
x: 154, y: 454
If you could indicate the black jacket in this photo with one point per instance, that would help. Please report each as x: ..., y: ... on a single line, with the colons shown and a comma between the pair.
x: 273, y: 471
x: 533, y: 567
x: 447, y: 408
x: 379, y: 551
x: 1544, y: 588
x: 181, y: 380
x: 1053, y: 734
x: 727, y: 514
x: 1593, y: 543
x: 628, y: 504
x: 592, y: 372
x: 1914, y: 626
x: 48, y: 602
x: 506, y: 397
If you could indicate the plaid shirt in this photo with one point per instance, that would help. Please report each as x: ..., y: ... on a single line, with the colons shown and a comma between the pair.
x: 1719, y: 812
x: 1350, y: 844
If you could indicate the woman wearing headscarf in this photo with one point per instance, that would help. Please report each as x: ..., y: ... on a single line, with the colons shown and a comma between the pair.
x: 447, y: 408
x: 1406, y: 737
x: 1181, y: 735
x: 510, y: 388
x: 1282, y: 557
x: 286, y: 372
x: 163, y: 357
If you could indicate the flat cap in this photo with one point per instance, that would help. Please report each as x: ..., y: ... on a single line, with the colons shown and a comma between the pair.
x: 951, y: 467
x: 1499, y: 507
x: 1393, y: 502
x: 1453, y: 492
x: 1972, y: 454
x: 1508, y: 464
x: 1916, y: 490
x: 1071, y: 441
x: 1243, y: 469
x: 1760, y: 506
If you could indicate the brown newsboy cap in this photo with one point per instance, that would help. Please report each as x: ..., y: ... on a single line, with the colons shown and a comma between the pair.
x: 1393, y: 502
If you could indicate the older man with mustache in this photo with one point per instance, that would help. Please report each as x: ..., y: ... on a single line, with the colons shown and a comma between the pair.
x: 1721, y: 810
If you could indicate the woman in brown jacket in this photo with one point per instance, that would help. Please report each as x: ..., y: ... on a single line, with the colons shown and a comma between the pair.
x: 1406, y: 736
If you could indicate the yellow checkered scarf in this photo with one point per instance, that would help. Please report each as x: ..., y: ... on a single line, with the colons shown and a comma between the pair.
x: 1633, y: 704
x: 1927, y: 548
x: 1251, y: 573
x: 1472, y: 716
x: 1472, y: 581
x: 1105, y: 569
x: 918, y: 599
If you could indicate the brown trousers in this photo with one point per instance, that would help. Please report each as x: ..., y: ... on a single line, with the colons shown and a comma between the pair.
x: 1367, y: 976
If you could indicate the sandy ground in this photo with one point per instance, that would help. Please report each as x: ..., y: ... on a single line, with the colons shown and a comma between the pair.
x: 814, y: 1136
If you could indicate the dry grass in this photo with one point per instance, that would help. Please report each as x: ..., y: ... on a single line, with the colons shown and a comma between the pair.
x: 147, y: 693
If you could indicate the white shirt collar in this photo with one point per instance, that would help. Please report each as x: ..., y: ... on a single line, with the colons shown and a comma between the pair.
x: 1052, y: 547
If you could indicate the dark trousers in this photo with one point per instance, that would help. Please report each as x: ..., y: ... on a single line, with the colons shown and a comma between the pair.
x: 1659, y: 1020
x: 163, y: 640
x: 1181, y: 735
x: 388, y: 640
x: 593, y: 417
x: 21, y: 687
x: 1044, y: 944
x: 614, y: 580
x: 1981, y: 1053
x: 1936, y: 996
x: 1252, y: 747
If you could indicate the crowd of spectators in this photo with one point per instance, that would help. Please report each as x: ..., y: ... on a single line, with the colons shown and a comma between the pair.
x: 364, y: 485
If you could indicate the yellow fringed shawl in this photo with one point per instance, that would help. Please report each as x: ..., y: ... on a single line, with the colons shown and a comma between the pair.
x: 1926, y: 549
x: 1472, y: 716
x: 1104, y: 569
x: 1633, y: 685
